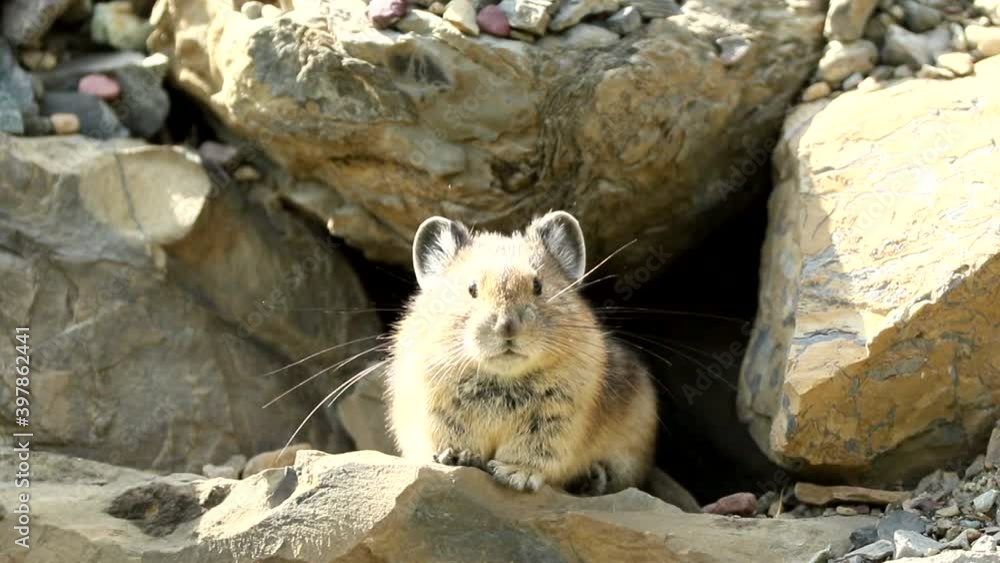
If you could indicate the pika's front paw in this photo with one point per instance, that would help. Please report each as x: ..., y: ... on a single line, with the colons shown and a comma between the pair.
x: 460, y: 458
x: 517, y: 477
x: 593, y: 483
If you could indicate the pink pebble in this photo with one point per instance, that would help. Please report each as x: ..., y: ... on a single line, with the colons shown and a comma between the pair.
x: 383, y: 13
x: 739, y: 504
x: 100, y: 86
x: 492, y: 20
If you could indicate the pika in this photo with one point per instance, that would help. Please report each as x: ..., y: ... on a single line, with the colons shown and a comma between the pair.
x: 499, y: 363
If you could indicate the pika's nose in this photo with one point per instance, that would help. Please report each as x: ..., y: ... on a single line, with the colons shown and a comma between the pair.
x: 507, y: 326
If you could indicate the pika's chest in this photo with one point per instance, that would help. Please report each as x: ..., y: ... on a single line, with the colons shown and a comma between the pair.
x: 482, y: 404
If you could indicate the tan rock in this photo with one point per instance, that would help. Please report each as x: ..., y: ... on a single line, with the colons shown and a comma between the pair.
x: 531, y: 16
x: 819, y: 495
x: 428, y: 122
x: 959, y: 63
x: 462, y: 14
x: 986, y: 39
x: 274, y: 459
x: 992, y: 460
x: 816, y: 91
x: 572, y: 12
x: 874, y: 352
x: 366, y: 506
x: 65, y: 123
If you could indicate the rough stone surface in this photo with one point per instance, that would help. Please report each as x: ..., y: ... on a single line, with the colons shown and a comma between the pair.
x: 397, y: 127
x: 846, y: 19
x: 874, y: 354
x: 878, y: 551
x: 992, y: 459
x: 156, y: 302
x: 312, y: 511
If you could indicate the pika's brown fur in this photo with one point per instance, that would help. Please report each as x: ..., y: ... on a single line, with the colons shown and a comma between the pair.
x: 496, y: 364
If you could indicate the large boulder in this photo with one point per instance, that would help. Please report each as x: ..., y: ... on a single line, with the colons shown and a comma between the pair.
x: 368, y: 507
x: 156, y: 300
x: 383, y: 128
x: 876, y: 353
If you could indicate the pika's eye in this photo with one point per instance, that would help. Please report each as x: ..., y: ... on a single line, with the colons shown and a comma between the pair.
x: 473, y: 290
x: 537, y: 286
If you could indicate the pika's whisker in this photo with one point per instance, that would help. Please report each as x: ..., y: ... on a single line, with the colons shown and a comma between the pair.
x: 588, y: 272
x: 324, y: 351
x: 334, y: 367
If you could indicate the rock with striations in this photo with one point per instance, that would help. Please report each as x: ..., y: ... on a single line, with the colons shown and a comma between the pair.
x: 874, y: 353
x: 157, y: 298
x: 367, y: 506
x: 400, y: 126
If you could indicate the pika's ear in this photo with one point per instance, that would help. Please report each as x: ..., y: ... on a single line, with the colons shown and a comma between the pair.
x: 560, y: 233
x: 435, y: 245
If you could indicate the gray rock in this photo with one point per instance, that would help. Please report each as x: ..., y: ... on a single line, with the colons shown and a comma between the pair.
x: 971, y: 524
x: 153, y: 357
x: 920, y: 17
x: 864, y: 536
x: 37, y: 126
x: 878, y: 551
x: 143, y: 105
x: 25, y: 21
x: 572, y: 12
x: 650, y: 9
x: 440, y: 133
x: 852, y: 81
x: 984, y: 502
x: 97, y: 119
x: 912, y: 544
x: 846, y: 19
x: 580, y: 36
x: 903, y: 47
x: 10, y: 115
x: 898, y: 520
x: 624, y: 21
x: 369, y: 506
x: 961, y: 541
x: 15, y: 82
x: 841, y: 60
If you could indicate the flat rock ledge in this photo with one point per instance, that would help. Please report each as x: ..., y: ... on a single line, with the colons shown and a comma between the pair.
x: 371, y: 507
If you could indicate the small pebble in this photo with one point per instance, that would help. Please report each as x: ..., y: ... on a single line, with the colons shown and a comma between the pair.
x: 252, y: 9
x: 852, y: 81
x: 933, y: 72
x: 383, y: 13
x: 223, y: 471
x: 962, y: 65
x: 437, y: 9
x: 99, y: 85
x: 971, y: 524
x: 492, y: 20
x: 949, y: 511
x: 869, y: 84
x: 217, y: 153
x: 269, y: 11
x: 65, y: 123
x: 846, y: 511
x: 37, y: 126
x: 740, y: 504
x: 246, y: 173
x: 902, y: 71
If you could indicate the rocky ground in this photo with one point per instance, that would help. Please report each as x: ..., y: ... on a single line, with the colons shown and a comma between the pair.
x: 193, y: 195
